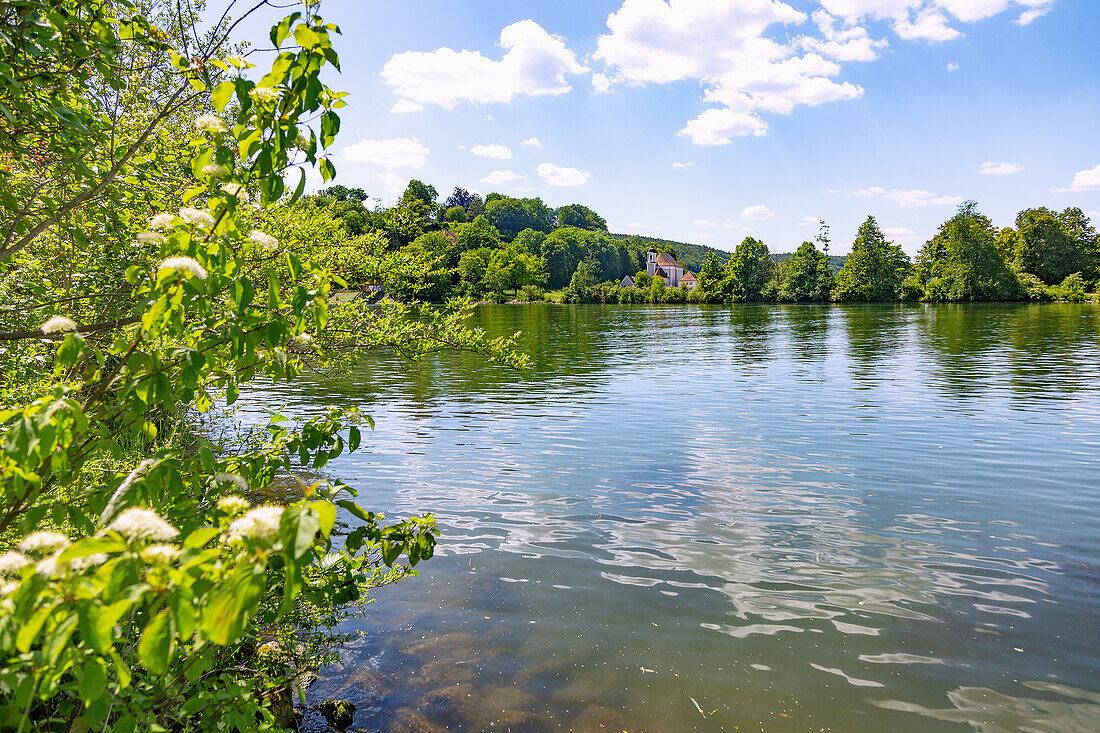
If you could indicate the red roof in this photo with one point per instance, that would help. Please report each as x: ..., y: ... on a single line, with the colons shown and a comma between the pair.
x: 688, y: 275
x: 667, y: 260
x: 659, y: 273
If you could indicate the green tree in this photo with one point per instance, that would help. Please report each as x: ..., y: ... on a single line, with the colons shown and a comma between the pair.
x: 422, y: 193
x: 511, y: 215
x: 875, y: 268
x: 581, y: 217
x: 1053, y: 246
x: 456, y: 214
x: 710, y: 274
x: 804, y: 277
x: 962, y: 263
x: 584, y: 280
x: 748, y: 271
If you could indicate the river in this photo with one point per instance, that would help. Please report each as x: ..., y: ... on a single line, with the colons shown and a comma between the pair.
x: 758, y: 518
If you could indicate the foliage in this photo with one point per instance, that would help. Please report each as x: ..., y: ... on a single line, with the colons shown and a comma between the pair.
x: 875, y: 268
x: 456, y: 214
x: 581, y: 217
x: 805, y: 276
x: 1053, y: 245
x: 113, y: 615
x: 512, y: 215
x: 748, y: 272
x: 962, y: 263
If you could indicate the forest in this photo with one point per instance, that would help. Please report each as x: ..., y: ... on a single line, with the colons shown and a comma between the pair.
x: 503, y: 248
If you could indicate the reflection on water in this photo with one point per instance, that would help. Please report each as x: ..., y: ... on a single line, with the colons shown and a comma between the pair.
x: 757, y: 518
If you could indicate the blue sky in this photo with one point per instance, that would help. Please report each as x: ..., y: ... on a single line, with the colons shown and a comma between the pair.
x: 710, y: 120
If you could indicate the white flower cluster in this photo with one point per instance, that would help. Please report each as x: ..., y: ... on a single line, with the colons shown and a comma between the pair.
x: 260, y: 524
x: 44, y: 542
x: 137, y: 523
x: 261, y: 239
x: 237, y: 62
x: 89, y: 561
x: 59, y: 324
x: 215, y: 171
x: 159, y: 554
x: 264, y: 95
x: 153, y: 238
x: 210, y: 123
x: 12, y: 562
x: 233, y: 504
x: 184, y: 264
x: 304, y: 339
x: 162, y: 221
x: 232, y: 478
x: 196, y: 217
x: 235, y: 189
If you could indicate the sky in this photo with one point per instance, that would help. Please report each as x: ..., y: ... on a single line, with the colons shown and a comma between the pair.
x: 708, y: 121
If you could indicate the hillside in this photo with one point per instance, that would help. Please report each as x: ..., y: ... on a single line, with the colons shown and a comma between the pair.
x: 692, y: 256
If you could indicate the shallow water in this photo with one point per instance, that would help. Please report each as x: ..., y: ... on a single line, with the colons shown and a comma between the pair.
x: 755, y: 518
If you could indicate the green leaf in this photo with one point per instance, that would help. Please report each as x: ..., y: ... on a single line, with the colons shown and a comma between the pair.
x: 306, y: 36
x: 326, y: 512
x: 200, y: 537
x: 91, y: 546
x: 24, y: 640
x: 298, y: 526
x: 93, y: 681
x: 69, y: 352
x: 222, y: 94
x: 155, y: 646
x: 354, y: 436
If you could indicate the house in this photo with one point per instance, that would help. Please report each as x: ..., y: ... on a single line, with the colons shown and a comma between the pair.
x: 628, y: 282
x: 665, y: 266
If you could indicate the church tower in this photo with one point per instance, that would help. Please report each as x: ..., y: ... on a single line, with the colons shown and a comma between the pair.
x: 651, y: 261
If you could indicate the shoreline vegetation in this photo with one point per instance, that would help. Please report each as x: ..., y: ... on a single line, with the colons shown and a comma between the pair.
x: 505, y: 249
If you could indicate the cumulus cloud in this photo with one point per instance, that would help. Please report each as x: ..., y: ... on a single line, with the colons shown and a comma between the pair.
x: 929, y: 20
x: 909, y: 199
x: 532, y: 142
x: 393, y: 185
x: 759, y: 212
x: 725, y: 45
x: 404, y: 106
x: 535, y: 63
x: 498, y: 177
x: 498, y: 152
x: 809, y: 221
x: 398, y: 152
x: 900, y: 234
x: 1086, y: 180
x: 558, y: 176
x: 989, y: 168
x: 1094, y: 215
x: 678, y: 164
x: 952, y: 66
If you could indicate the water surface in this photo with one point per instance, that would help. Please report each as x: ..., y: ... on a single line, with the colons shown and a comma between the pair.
x: 758, y: 518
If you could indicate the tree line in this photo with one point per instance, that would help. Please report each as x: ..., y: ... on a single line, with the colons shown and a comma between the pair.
x: 502, y: 247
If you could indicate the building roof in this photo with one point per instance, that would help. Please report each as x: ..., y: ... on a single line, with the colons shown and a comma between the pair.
x: 689, y: 275
x: 667, y: 260
x: 628, y: 280
x: 659, y: 273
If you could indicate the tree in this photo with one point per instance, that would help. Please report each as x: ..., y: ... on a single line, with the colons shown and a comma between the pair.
x: 748, y: 271
x: 586, y: 277
x: 1053, y: 246
x: 805, y: 277
x: 420, y: 192
x: 139, y: 582
x: 531, y: 240
x: 456, y: 214
x: 511, y: 215
x: 465, y: 199
x: 581, y: 217
x: 961, y: 262
x: 874, y: 270
x: 478, y: 233
x: 513, y: 268
x: 710, y: 274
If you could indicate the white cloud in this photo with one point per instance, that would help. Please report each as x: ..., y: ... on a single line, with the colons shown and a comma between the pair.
x: 912, y: 198
x: 725, y: 45
x: 704, y: 223
x: 637, y: 225
x: 928, y: 19
x: 707, y: 236
x: 1086, y: 180
x: 404, y: 106
x: 532, y: 142
x: 989, y: 168
x: 678, y: 164
x: 498, y: 152
x: 558, y: 176
x: 393, y: 185
x: 535, y: 63
x: 498, y: 177
x: 398, y: 152
x: 1094, y: 215
x: 809, y: 221
x: 900, y: 234
x: 952, y: 66
x: 759, y: 212
x: 601, y: 83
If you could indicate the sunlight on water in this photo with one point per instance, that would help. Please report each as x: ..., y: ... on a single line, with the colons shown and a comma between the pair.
x: 758, y: 518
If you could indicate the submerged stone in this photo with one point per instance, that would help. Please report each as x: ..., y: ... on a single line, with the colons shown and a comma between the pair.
x: 407, y: 720
x: 338, y: 713
x: 596, y: 718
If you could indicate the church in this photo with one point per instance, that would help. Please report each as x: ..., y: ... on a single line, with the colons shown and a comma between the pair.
x: 664, y: 265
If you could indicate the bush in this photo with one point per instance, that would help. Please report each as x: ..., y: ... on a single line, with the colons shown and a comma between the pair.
x: 532, y: 293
